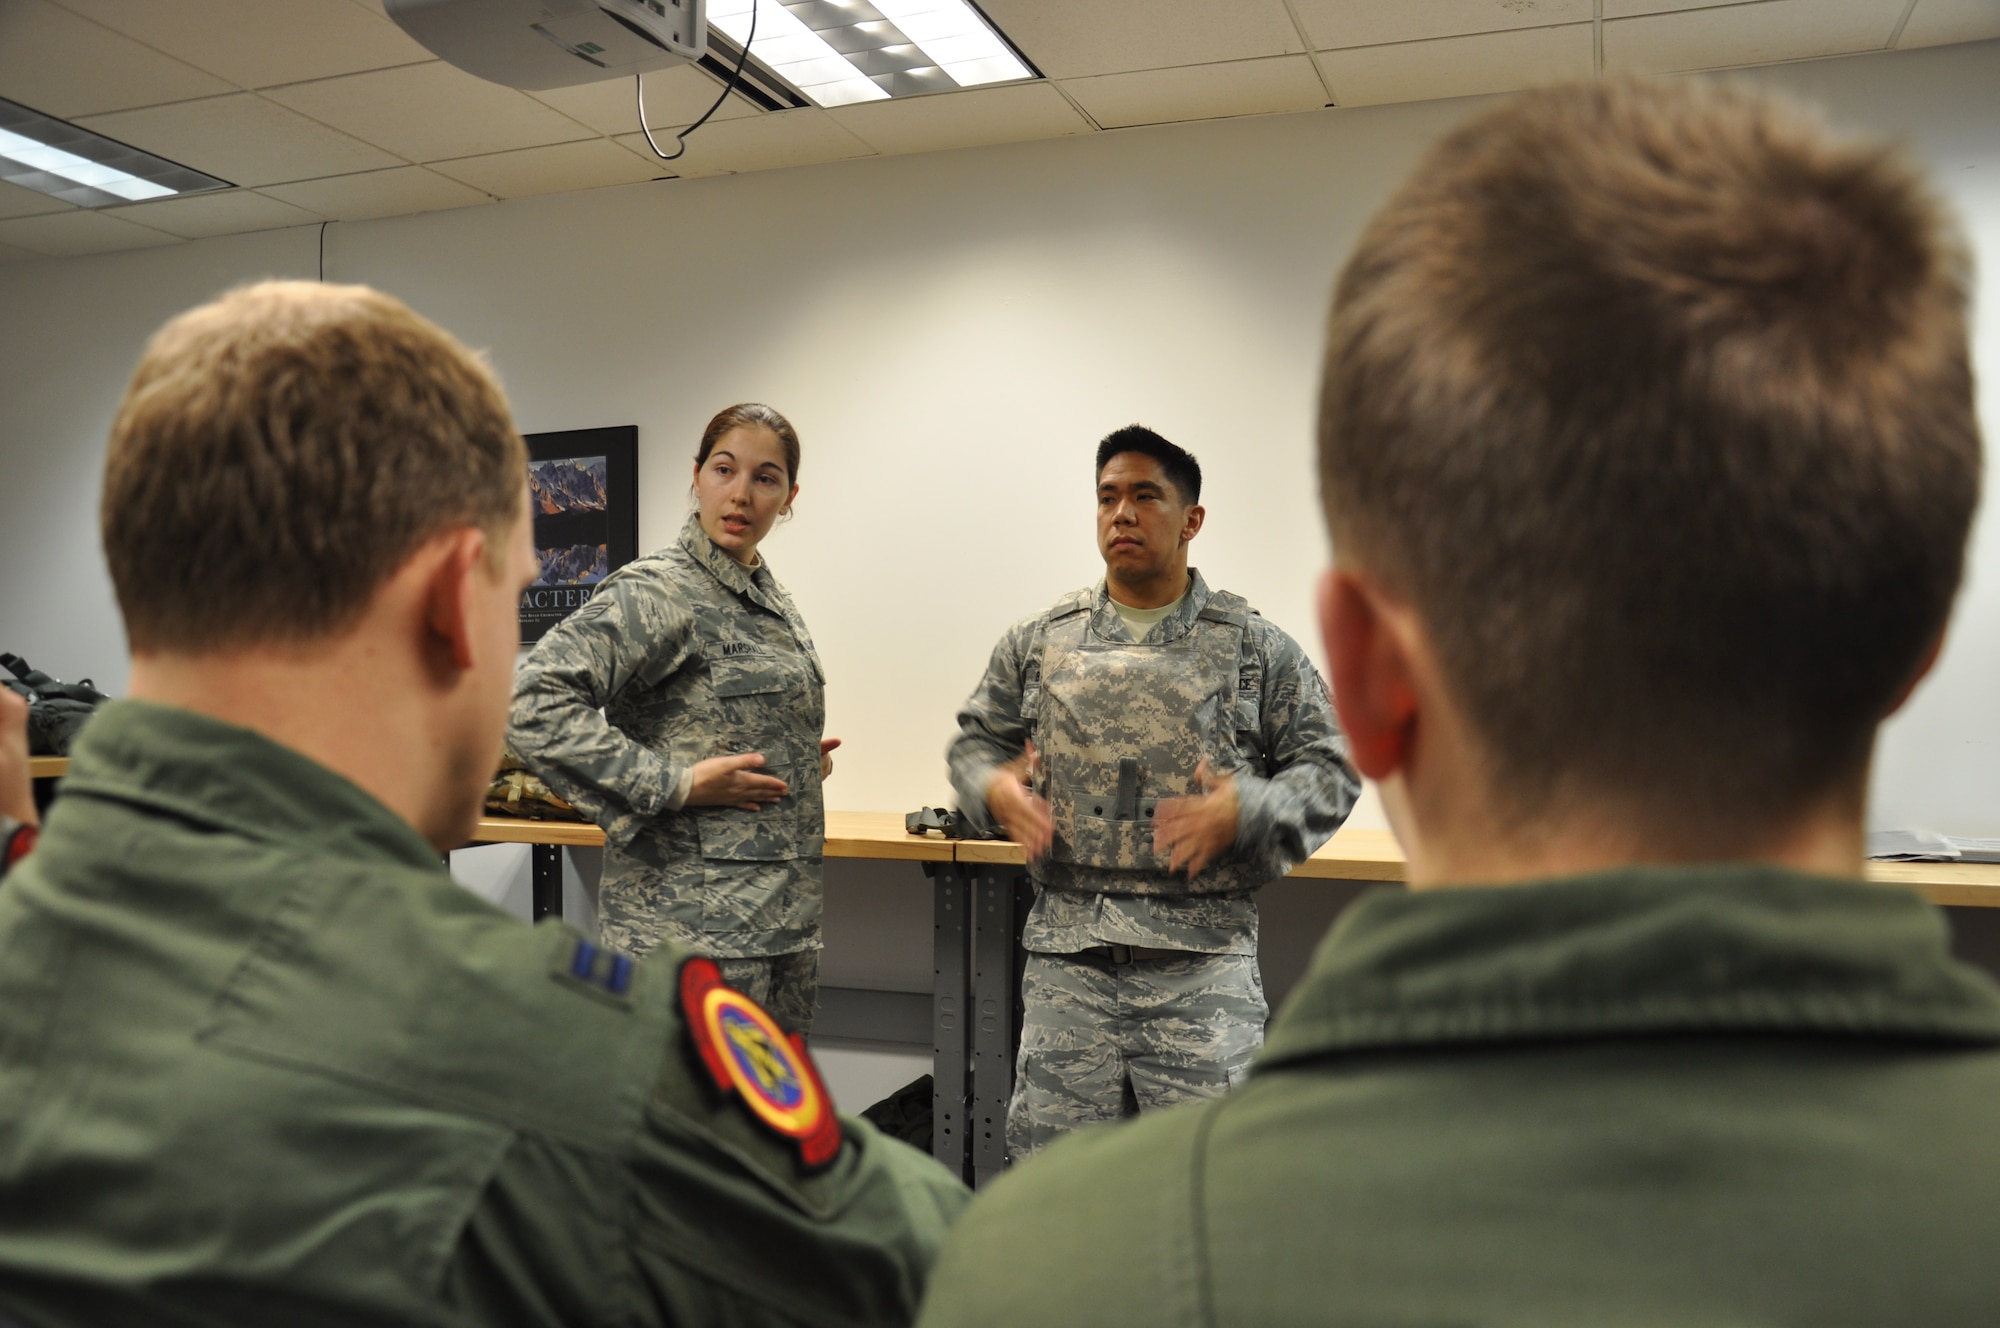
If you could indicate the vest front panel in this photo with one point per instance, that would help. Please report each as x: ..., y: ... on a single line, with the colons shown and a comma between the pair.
x: 1121, y: 726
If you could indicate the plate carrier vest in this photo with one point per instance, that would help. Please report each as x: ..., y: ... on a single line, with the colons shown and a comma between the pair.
x: 1120, y: 725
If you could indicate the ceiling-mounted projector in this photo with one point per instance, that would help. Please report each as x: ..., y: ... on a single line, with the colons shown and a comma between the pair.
x: 537, y: 44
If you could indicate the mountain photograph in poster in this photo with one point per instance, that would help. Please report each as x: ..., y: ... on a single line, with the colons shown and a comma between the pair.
x: 572, y: 520
x: 582, y: 488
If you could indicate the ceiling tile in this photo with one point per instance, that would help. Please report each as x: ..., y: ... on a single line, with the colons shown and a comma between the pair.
x: 1200, y: 92
x: 1067, y: 39
x: 79, y: 232
x: 1011, y: 114
x: 674, y: 97
x: 1628, y: 8
x: 65, y: 66
x: 430, y: 112
x: 18, y: 202
x: 1459, y: 66
x: 9, y: 254
x: 243, y: 139
x: 378, y: 194
x: 1335, y: 23
x: 231, y: 212
x: 1754, y: 34
x: 591, y: 164
x: 1938, y: 22
x: 760, y: 143
x: 259, y: 43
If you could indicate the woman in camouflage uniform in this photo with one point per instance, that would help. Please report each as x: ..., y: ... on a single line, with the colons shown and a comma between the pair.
x: 682, y: 709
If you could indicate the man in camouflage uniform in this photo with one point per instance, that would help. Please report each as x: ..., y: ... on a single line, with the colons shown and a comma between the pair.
x: 682, y: 657
x: 1161, y: 751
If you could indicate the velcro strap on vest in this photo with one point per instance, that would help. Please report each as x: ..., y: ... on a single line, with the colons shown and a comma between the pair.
x: 1077, y: 601
x: 1214, y: 613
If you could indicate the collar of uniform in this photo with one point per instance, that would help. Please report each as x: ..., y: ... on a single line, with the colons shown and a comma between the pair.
x: 751, y: 581
x: 235, y: 779
x: 1654, y: 950
x: 1104, y: 619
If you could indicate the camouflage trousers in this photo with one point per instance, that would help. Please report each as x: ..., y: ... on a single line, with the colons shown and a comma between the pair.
x: 1101, y: 1040
x: 787, y: 985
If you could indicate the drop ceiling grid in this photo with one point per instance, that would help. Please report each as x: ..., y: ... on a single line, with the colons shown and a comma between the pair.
x: 1687, y: 40
x: 261, y: 43
x: 430, y: 112
x: 65, y: 65
x: 386, y: 128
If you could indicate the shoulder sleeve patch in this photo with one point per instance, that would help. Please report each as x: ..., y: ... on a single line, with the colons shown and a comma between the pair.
x: 594, y: 607
x: 749, y: 1058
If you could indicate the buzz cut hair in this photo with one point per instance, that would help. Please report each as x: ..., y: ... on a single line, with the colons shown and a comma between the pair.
x: 1654, y: 400
x: 1182, y: 470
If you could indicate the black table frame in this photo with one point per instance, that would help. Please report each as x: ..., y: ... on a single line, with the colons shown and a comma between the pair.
x: 976, y: 959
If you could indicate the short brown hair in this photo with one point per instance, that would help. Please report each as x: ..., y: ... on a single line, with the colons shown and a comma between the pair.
x: 751, y: 415
x: 283, y: 450
x: 1656, y: 403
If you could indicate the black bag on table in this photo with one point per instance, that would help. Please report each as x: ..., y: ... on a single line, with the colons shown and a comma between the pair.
x: 56, y: 710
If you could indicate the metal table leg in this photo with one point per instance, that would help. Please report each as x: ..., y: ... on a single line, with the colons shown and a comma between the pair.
x: 996, y: 1030
x: 951, y: 919
x: 545, y: 880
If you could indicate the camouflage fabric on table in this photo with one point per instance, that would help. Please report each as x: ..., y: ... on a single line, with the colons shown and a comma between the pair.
x: 519, y: 791
x: 1273, y: 729
x: 1102, y: 1040
x: 787, y: 985
x: 689, y: 655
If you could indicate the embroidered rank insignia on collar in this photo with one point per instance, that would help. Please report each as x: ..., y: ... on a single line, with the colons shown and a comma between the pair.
x: 749, y: 1057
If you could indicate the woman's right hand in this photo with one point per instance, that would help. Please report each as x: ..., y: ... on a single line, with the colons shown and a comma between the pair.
x: 733, y: 781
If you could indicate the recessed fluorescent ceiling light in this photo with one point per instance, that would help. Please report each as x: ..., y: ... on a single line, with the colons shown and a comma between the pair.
x: 55, y: 157
x: 843, y: 51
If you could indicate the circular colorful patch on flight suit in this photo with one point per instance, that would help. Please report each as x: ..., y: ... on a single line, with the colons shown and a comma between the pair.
x: 751, y: 1058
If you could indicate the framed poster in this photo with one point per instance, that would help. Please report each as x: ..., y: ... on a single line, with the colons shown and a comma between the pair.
x: 584, y: 487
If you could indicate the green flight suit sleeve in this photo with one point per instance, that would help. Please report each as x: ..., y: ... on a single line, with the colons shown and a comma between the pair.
x: 1101, y: 1228
x: 995, y: 724
x: 636, y: 631
x: 1283, y: 816
x: 727, y: 1230
x: 721, y: 1240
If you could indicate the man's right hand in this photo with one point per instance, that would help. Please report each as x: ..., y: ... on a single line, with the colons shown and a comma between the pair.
x: 1021, y: 812
x: 733, y: 781
x: 17, y: 786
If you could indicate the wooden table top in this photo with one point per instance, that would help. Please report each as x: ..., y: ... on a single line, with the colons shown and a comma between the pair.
x: 1966, y: 884
x: 1352, y: 855
x: 878, y: 835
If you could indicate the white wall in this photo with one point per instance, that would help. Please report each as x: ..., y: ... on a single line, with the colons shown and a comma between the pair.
x: 951, y: 333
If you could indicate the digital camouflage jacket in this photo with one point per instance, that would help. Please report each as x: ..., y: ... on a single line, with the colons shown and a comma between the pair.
x: 683, y: 655
x: 1122, y: 724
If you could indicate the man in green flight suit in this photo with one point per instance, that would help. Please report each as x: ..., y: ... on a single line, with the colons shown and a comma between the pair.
x: 1648, y: 452
x: 261, y: 1061
x: 1160, y: 750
